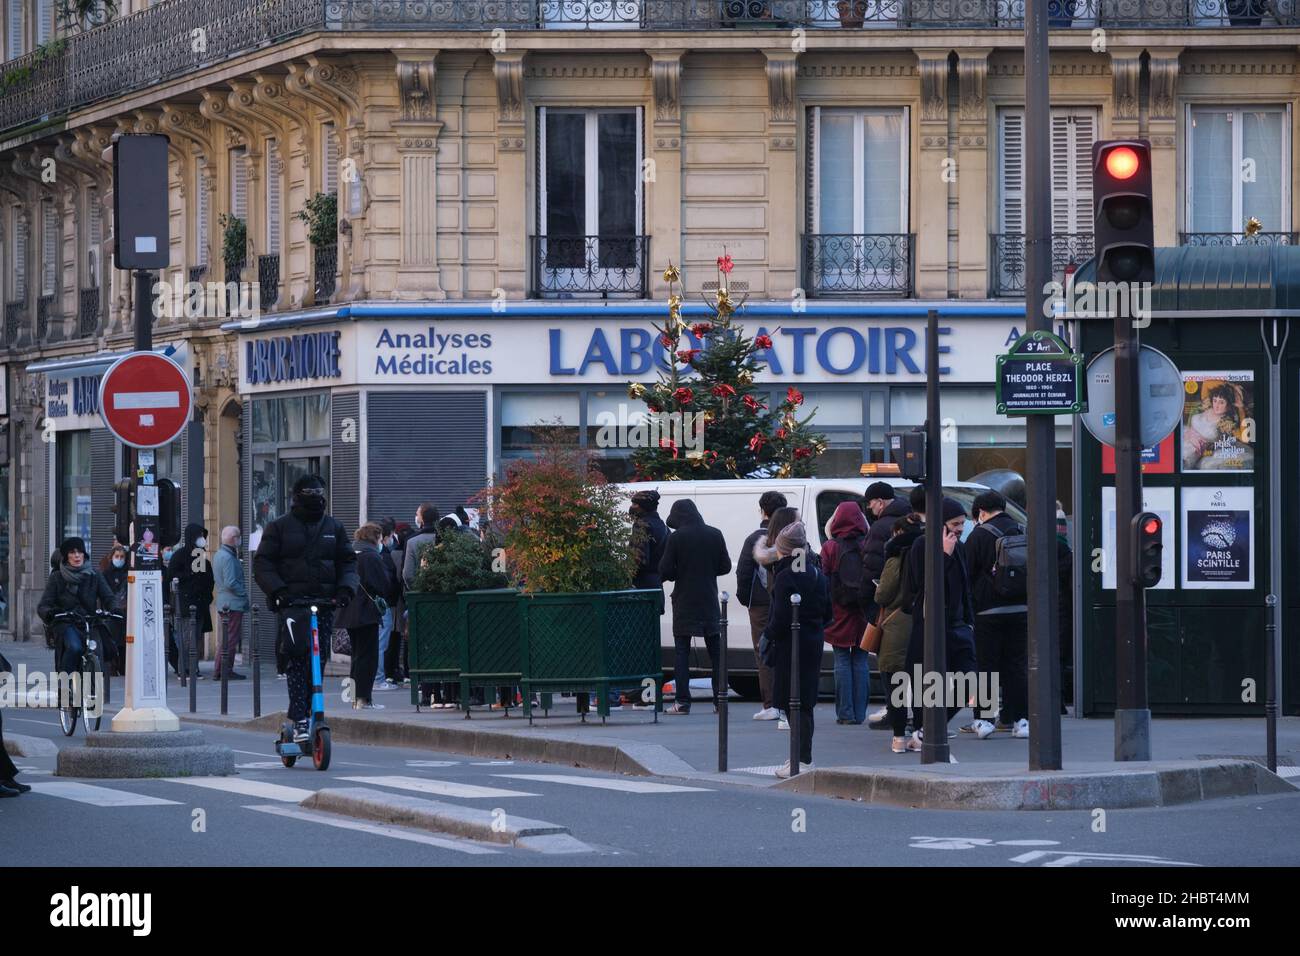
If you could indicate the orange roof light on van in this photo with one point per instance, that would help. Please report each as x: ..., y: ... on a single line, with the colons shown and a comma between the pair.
x: 887, y: 469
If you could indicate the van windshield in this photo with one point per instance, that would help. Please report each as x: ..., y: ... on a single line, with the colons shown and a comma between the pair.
x: 828, y: 501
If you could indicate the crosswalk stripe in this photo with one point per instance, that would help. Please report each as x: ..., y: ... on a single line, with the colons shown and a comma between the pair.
x: 96, y: 796
x: 604, y: 783
x: 309, y: 816
x: 247, y: 788
x: 441, y: 788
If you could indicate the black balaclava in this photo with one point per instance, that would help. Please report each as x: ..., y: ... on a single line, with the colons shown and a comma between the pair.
x: 306, y: 506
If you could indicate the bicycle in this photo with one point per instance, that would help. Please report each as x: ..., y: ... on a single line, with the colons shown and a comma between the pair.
x: 84, y: 684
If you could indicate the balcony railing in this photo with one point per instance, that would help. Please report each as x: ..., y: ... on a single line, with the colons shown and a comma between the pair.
x: 15, y: 319
x: 1007, y: 259
x: 844, y: 264
x: 326, y: 266
x: 268, y: 280
x: 590, y: 266
x: 198, y: 273
x: 1238, y: 239
x: 156, y: 44
x: 45, y: 310
x: 88, y: 312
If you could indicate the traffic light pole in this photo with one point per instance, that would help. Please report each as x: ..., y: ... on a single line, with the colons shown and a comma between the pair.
x: 1040, y: 469
x: 934, y: 748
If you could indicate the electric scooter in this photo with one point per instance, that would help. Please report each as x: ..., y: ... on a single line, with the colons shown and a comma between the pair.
x: 318, y: 732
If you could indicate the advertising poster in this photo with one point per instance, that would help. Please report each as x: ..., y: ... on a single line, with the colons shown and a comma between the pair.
x: 1218, y: 532
x: 1155, y: 461
x: 1160, y: 502
x: 1218, y: 421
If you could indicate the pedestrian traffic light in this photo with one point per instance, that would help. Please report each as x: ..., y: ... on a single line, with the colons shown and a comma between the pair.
x: 169, y: 512
x: 908, y: 450
x: 1148, y: 549
x: 1123, y: 230
x: 122, y: 510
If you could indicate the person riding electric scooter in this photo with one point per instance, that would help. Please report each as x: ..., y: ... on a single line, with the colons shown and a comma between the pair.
x: 303, y: 557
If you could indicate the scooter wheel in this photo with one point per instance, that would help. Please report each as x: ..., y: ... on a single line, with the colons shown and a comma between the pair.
x: 288, y: 761
x: 320, y: 751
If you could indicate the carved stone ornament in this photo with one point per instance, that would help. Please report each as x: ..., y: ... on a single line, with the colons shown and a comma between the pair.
x: 667, y: 75
x: 972, y: 74
x: 415, y: 81
x: 1164, y: 87
x: 509, y: 72
x: 934, y: 89
x: 1125, y: 72
x: 780, y: 87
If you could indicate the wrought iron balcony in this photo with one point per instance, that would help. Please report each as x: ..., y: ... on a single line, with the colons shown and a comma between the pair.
x: 45, y: 310
x: 15, y: 319
x: 845, y: 264
x: 326, y: 267
x: 156, y: 44
x: 1238, y: 239
x: 88, y: 312
x: 268, y: 280
x: 590, y: 266
x: 1007, y: 259
x: 198, y: 273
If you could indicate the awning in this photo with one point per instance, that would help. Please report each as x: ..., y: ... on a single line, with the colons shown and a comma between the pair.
x: 178, y: 352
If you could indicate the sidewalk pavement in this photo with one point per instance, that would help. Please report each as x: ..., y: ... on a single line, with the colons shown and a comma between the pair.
x: 852, y: 761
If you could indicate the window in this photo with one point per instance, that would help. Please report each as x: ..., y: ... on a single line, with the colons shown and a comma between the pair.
x: 589, y: 197
x: 44, y: 21
x: 1073, y: 133
x: 525, y: 414
x: 20, y: 256
x: 1254, y: 140
x: 49, y: 248
x: 239, y: 183
x: 203, y: 213
x: 330, y: 148
x: 273, y: 171
x: 14, y: 35
x: 96, y: 239
x: 72, y: 488
x: 858, y: 182
x: 290, y: 438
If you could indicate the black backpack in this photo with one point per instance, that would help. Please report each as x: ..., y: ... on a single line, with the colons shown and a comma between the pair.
x: 1010, y: 564
x: 849, y: 585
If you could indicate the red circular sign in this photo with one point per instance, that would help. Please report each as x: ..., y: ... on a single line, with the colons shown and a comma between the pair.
x: 145, y: 400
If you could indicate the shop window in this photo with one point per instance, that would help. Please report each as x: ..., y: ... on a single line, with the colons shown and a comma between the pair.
x: 72, y: 486
x: 292, y: 416
x: 1253, y: 140
x: 290, y: 438
x: 266, y: 506
x: 317, y: 408
x: 525, y: 415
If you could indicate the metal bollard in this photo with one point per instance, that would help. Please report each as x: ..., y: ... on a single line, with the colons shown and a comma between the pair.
x: 192, y: 660
x: 175, y: 636
x: 257, y: 669
x: 722, y: 690
x: 795, y: 704
x: 227, y: 661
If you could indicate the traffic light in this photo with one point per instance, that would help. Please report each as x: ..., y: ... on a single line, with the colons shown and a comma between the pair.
x: 169, y: 512
x: 122, y: 510
x: 1123, y: 230
x: 1148, y: 547
x: 908, y: 450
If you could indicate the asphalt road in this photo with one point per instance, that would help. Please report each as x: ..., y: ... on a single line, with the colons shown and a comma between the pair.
x: 253, y: 819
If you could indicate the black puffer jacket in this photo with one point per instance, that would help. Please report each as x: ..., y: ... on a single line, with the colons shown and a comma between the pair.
x: 878, y: 534
x: 694, y: 557
x: 196, y: 587
x: 299, y: 559
x: 90, y: 593
x: 378, y: 579
x: 654, y: 539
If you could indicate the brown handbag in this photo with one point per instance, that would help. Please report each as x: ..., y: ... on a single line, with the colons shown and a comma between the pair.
x: 875, y: 631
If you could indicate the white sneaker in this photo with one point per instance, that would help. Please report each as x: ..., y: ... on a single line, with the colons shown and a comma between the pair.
x: 1021, y: 729
x: 878, y: 716
x: 767, y: 713
x: 915, y: 743
x: 983, y: 729
x: 783, y: 771
x: 783, y: 724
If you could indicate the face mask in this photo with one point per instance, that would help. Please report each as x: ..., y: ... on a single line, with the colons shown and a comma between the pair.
x: 119, y: 562
x: 200, y: 542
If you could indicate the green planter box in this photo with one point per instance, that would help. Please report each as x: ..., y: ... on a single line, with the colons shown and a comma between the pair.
x: 488, y: 639
x: 591, y: 642
x: 433, y: 642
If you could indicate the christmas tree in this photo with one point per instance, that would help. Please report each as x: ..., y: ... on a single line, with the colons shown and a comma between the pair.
x: 708, y: 417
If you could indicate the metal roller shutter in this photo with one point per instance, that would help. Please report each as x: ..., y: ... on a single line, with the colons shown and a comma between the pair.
x: 105, y: 462
x: 345, y: 460
x: 265, y: 634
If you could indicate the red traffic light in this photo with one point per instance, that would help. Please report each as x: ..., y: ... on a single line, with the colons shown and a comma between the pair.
x: 1151, y: 526
x: 1122, y: 162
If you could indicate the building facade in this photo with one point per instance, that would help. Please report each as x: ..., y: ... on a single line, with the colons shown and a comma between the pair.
x: 507, y: 182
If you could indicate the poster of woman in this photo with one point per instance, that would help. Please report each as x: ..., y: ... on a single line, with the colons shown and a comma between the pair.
x: 1218, y: 421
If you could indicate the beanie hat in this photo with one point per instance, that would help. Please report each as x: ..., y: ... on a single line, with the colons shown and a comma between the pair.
x: 880, y: 489
x: 72, y: 544
x: 647, y: 499
x: 792, y: 537
x: 953, y: 509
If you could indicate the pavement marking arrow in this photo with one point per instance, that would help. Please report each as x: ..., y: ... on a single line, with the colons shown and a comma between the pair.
x: 1074, y: 857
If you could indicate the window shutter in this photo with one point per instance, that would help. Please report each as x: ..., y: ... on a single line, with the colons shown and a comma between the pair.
x: 814, y: 116
x: 16, y: 46
x: 239, y: 183
x: 1085, y: 132
x: 1012, y: 136
x: 331, y: 140
x: 1072, y: 136
x: 44, y: 20
x: 96, y: 241
x: 201, y: 226
x: 272, y: 198
x: 1062, y: 167
x: 49, y: 247
x: 20, y: 257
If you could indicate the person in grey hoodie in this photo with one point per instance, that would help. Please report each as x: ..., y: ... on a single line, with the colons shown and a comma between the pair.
x: 426, y: 523
x: 232, y: 599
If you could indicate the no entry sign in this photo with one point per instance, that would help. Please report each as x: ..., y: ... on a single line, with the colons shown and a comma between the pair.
x: 145, y: 400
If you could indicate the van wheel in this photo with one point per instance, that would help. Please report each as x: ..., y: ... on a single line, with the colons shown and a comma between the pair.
x: 747, y: 687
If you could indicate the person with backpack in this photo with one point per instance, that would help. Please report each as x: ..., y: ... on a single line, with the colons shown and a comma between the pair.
x: 844, y: 563
x: 754, y: 595
x: 895, y: 602
x: 997, y: 555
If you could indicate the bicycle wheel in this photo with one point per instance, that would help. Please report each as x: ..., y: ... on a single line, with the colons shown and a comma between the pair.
x: 68, y: 711
x: 93, y: 706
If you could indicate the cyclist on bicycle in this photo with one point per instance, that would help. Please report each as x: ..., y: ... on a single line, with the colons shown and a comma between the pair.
x: 305, y: 556
x: 77, y: 587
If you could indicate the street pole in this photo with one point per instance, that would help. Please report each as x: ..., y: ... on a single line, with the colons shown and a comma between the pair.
x: 1040, y: 430
x: 722, y: 690
x: 795, y: 705
x: 1275, y: 346
x: 934, y: 749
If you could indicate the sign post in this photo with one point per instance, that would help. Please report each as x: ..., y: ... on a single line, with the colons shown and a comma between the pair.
x: 145, y: 401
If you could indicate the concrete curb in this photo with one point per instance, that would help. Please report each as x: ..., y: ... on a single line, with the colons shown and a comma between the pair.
x: 1118, y: 787
x: 489, y: 826
x: 135, y: 762
x: 592, y: 753
x: 21, y: 745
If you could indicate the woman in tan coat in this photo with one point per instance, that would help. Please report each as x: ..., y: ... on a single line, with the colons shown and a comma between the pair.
x: 896, y: 611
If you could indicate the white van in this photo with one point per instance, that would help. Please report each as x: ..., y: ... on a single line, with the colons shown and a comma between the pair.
x: 731, y: 506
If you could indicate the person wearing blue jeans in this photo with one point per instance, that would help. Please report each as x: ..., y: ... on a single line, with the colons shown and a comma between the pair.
x: 385, y: 632
x: 843, y: 560
x: 852, y: 684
